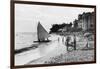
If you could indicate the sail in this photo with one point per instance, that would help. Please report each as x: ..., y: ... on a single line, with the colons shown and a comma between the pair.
x: 42, y: 33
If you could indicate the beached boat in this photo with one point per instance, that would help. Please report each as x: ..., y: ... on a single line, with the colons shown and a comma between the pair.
x: 42, y: 34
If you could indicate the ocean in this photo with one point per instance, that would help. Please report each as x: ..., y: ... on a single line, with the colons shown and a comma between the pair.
x: 24, y: 39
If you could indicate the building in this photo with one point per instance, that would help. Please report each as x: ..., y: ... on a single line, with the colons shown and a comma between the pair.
x: 75, y: 22
x: 86, y: 21
x: 80, y: 23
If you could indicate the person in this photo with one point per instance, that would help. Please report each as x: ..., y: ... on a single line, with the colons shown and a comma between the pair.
x: 74, y: 42
x: 87, y: 45
x: 67, y: 42
x: 58, y: 39
x: 63, y: 39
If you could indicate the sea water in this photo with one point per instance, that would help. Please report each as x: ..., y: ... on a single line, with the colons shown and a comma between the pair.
x: 24, y: 39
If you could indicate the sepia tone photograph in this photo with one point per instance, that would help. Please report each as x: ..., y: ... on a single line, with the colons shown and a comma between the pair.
x: 49, y: 34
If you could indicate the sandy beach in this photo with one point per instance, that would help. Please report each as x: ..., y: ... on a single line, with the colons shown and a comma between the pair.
x: 55, y: 52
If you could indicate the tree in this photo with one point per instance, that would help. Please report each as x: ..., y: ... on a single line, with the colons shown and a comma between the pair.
x: 54, y: 28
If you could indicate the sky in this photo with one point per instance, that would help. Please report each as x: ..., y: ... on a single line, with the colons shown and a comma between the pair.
x: 27, y: 16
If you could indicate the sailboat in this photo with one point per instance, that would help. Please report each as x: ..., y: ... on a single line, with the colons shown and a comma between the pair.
x: 42, y: 34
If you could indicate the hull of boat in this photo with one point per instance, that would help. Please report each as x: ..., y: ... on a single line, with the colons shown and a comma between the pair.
x: 42, y: 41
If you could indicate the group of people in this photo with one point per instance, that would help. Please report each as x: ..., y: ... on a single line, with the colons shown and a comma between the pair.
x: 68, y: 42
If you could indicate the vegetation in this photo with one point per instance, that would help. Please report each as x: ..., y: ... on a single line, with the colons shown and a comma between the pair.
x: 57, y: 27
x: 65, y: 28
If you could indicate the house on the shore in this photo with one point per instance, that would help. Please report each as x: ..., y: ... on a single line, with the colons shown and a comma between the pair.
x: 86, y: 21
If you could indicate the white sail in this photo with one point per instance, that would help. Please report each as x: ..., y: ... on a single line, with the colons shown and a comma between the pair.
x: 42, y: 33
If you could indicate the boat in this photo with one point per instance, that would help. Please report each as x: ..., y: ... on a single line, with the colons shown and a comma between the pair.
x: 42, y: 34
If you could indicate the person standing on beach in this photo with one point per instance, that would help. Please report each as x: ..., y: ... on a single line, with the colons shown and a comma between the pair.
x: 63, y: 39
x: 74, y: 42
x: 67, y: 43
x: 58, y: 39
